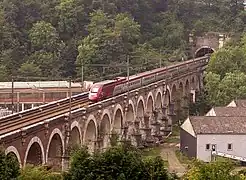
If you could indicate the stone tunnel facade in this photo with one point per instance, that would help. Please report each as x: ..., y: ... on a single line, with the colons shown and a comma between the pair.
x: 144, y: 117
x: 207, y: 43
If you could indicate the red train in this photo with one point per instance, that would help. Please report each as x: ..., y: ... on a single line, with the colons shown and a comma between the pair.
x: 109, y: 88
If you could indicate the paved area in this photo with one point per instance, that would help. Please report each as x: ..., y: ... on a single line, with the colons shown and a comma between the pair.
x: 168, y: 154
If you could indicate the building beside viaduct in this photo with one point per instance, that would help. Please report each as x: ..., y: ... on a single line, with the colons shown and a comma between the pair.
x: 144, y: 117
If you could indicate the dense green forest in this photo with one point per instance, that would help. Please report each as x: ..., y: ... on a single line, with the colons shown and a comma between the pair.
x: 52, y: 38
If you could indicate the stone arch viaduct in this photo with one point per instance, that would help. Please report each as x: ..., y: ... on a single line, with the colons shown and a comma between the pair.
x: 144, y: 117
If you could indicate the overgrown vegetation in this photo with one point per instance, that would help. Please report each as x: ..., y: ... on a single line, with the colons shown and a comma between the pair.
x: 218, y: 170
x: 226, y: 76
x: 9, y: 166
x: 120, y: 162
x: 54, y: 38
x: 38, y: 173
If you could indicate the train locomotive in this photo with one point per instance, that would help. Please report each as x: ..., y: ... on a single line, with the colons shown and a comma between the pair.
x: 109, y: 88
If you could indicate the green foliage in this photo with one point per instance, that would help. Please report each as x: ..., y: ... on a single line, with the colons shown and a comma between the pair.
x: 43, y: 36
x: 119, y: 162
x: 218, y: 170
x: 114, y: 138
x: 222, y: 91
x: 228, y: 60
x: 9, y: 166
x: 72, y: 18
x: 38, y: 173
x: 226, y: 75
x: 69, y: 32
x: 109, y: 41
x: 30, y: 69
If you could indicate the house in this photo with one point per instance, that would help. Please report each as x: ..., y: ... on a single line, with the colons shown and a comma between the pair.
x: 227, y: 134
x: 237, y: 103
x: 227, y: 111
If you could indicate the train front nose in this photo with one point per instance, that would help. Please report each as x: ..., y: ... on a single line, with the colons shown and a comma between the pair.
x: 93, y: 96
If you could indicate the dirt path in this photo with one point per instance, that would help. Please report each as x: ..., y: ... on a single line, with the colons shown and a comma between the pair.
x: 168, y: 154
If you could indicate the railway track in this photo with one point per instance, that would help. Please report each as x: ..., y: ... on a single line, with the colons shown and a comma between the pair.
x: 21, y: 120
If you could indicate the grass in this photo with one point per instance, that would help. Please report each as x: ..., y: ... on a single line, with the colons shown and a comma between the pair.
x: 175, y: 130
x: 153, y: 152
x: 172, y: 139
x: 156, y: 151
x: 183, y: 158
x: 236, y: 163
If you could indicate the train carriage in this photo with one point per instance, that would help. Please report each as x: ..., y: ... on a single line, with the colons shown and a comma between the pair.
x: 109, y: 88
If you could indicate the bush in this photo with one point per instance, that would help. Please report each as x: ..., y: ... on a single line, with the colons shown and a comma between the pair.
x: 38, y: 173
x: 119, y: 162
x: 9, y: 166
x: 218, y: 170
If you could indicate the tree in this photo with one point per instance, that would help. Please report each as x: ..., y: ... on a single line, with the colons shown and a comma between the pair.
x: 168, y: 32
x: 212, y: 82
x: 113, y: 28
x: 72, y: 19
x: 201, y: 106
x: 47, y: 48
x: 228, y: 60
x: 43, y: 36
x: 222, y: 91
x: 38, y: 173
x: 226, y: 75
x: 30, y: 69
x: 47, y: 62
x: 3, y: 74
x: 218, y: 170
x: 9, y: 166
x: 118, y: 162
x: 108, y: 42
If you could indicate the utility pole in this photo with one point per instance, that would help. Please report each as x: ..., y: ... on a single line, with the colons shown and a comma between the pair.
x: 82, y: 73
x: 128, y: 73
x: 12, y: 95
x: 70, y: 94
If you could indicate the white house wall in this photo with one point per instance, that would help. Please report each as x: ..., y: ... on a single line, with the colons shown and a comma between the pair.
x: 221, y: 141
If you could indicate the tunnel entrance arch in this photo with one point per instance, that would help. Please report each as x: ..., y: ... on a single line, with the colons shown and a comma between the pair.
x: 202, y: 51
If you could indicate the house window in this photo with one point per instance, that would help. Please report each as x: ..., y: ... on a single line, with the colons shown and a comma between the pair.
x: 207, y: 146
x: 229, y: 147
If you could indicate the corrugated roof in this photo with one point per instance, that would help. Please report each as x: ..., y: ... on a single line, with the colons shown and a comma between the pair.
x: 230, y: 111
x: 38, y: 84
x: 218, y: 125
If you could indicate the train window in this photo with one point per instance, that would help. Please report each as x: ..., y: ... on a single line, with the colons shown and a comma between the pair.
x: 94, y: 90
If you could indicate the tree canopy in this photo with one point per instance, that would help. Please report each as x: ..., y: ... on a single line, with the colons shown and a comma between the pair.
x: 54, y: 37
x: 9, y: 166
x: 119, y: 162
x: 226, y: 73
x: 218, y: 170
